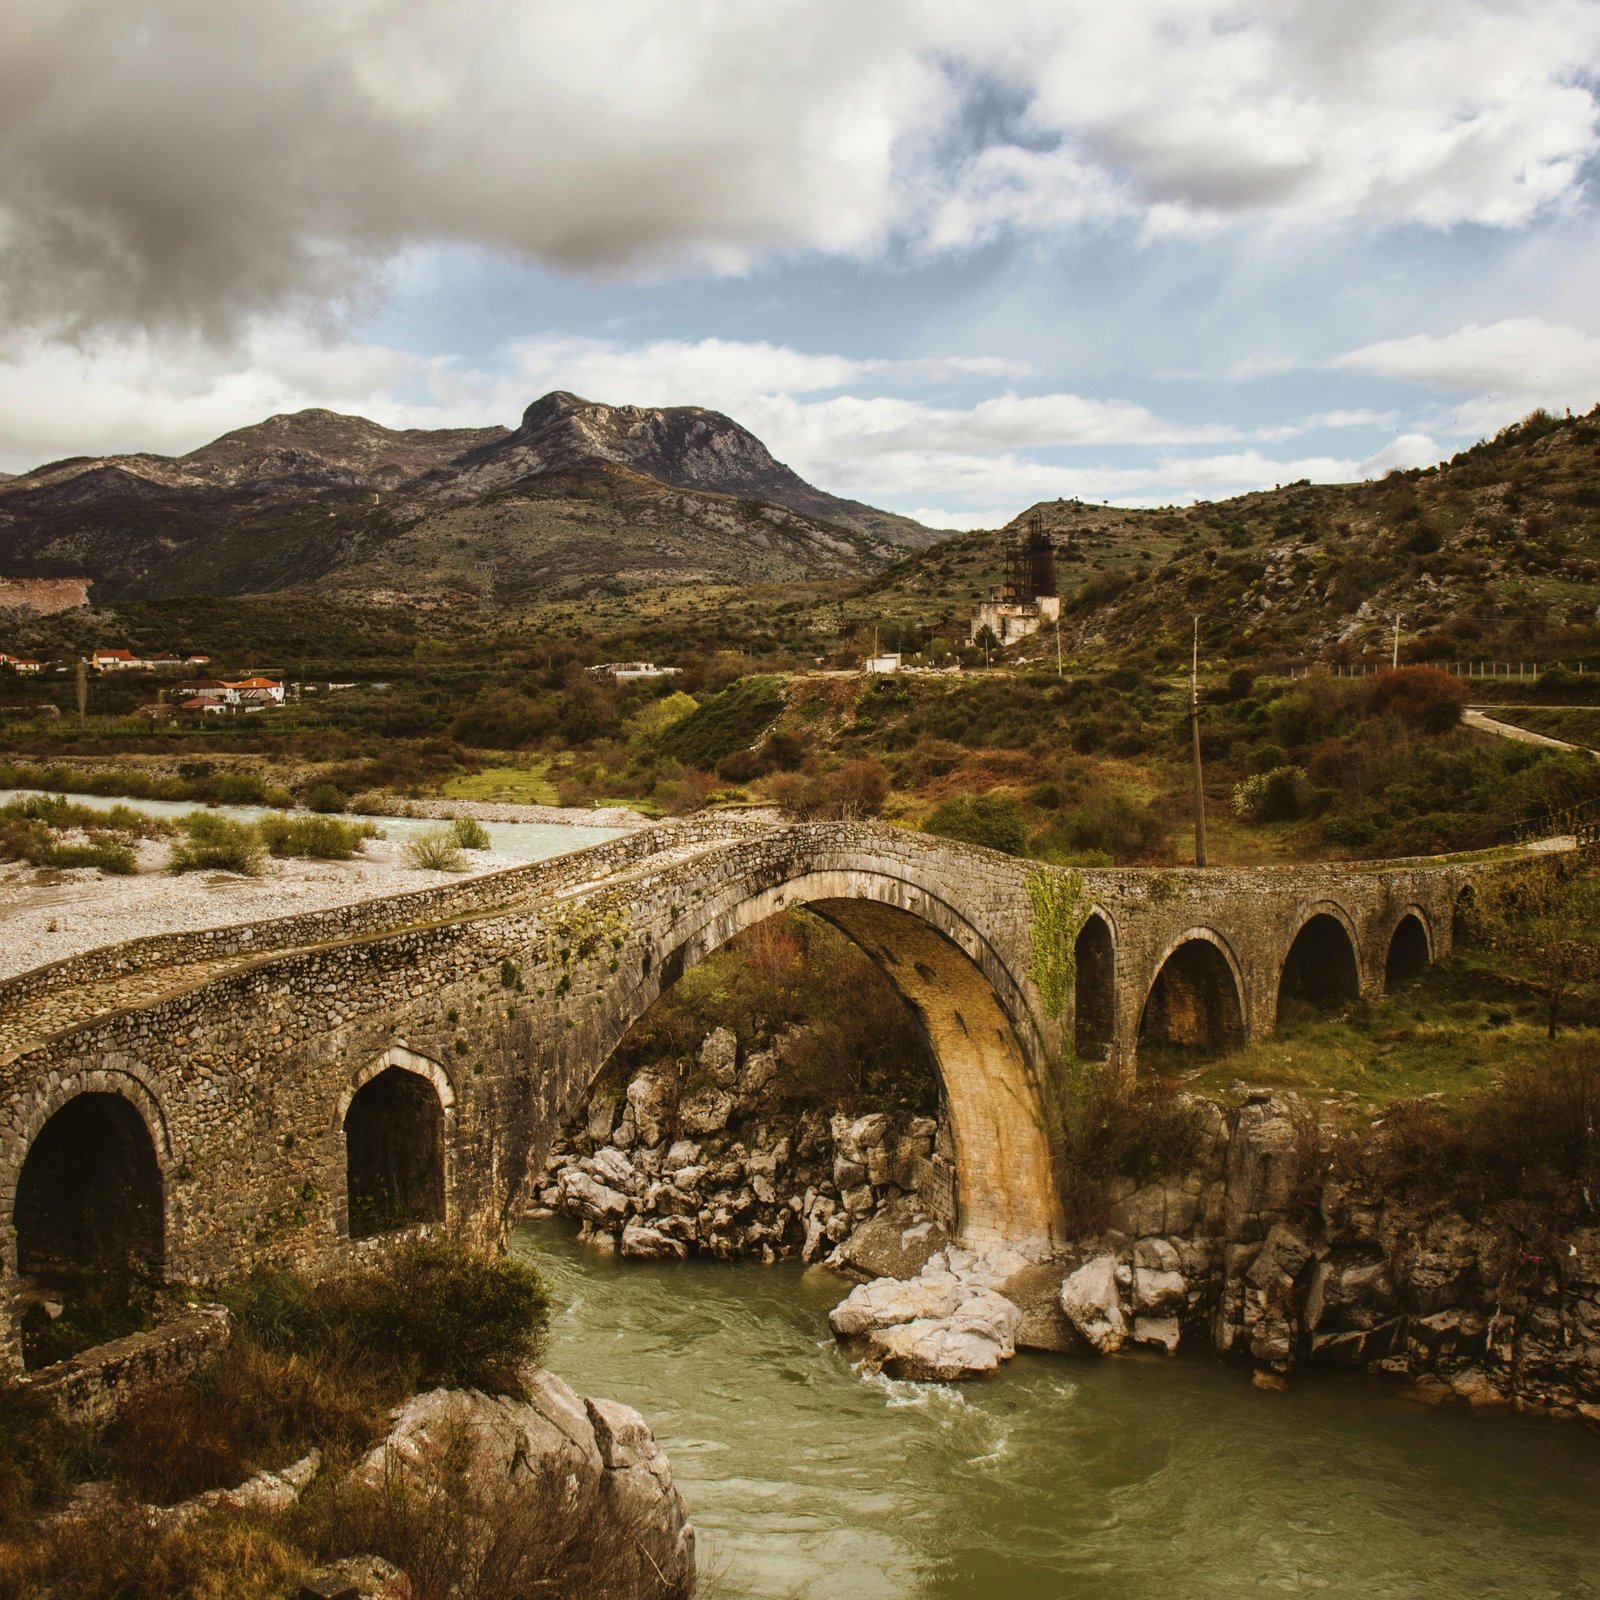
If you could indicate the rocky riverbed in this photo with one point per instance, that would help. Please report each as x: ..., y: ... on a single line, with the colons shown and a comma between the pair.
x: 1237, y: 1252
x: 717, y: 1161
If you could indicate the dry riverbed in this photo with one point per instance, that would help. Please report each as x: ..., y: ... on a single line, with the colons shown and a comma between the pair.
x: 47, y: 913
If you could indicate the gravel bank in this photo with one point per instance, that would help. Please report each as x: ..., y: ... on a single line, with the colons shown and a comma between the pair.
x: 47, y: 914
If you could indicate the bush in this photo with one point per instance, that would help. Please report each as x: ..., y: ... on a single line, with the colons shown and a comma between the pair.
x: 1282, y: 795
x: 41, y: 1457
x: 1422, y: 697
x: 438, y: 1315
x: 1106, y: 829
x: 325, y: 798
x: 469, y: 833
x: 318, y: 838
x: 218, y: 844
x: 732, y: 720
x: 436, y: 850
x: 856, y: 789
x: 995, y: 822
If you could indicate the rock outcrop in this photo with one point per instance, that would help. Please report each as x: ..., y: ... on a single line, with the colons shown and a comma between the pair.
x: 1248, y: 1254
x: 717, y: 1165
x: 552, y: 1483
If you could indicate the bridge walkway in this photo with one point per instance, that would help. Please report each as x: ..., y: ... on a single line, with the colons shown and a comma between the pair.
x: 34, y: 1020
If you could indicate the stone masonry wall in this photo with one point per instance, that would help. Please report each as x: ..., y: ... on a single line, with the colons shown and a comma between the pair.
x: 512, y: 1002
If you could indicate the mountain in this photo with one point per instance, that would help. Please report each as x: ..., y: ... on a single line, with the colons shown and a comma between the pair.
x: 580, y: 496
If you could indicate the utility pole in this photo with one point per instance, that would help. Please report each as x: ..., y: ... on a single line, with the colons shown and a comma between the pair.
x: 1194, y: 729
x: 1058, y: 644
x: 1394, y: 660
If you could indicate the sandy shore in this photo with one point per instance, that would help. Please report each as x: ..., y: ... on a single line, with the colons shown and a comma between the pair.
x: 47, y: 914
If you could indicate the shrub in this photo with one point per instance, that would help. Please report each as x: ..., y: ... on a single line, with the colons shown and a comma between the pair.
x: 218, y: 844
x: 469, y: 833
x: 1281, y: 795
x: 436, y: 1314
x: 732, y: 720
x: 855, y: 789
x: 435, y: 850
x: 41, y: 1456
x: 1423, y: 698
x: 325, y: 798
x: 319, y: 838
x: 992, y: 821
x: 1107, y: 828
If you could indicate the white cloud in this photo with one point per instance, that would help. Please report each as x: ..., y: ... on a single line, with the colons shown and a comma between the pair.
x: 190, y: 163
x: 1521, y: 356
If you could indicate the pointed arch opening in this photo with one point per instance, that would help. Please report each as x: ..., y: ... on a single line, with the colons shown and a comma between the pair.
x: 1195, y: 1002
x: 394, y: 1153
x: 90, y: 1224
x: 1094, y: 990
x: 1409, y: 952
x: 1321, y: 972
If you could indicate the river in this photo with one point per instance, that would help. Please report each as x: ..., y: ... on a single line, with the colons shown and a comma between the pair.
x: 1141, y: 1478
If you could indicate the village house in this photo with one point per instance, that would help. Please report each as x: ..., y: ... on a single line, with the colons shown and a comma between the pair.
x: 20, y: 663
x: 120, y: 660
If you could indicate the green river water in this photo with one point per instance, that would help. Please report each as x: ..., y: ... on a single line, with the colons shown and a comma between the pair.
x: 1134, y: 1478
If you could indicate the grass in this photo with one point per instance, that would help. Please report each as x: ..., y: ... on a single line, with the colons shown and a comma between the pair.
x: 524, y: 785
x: 436, y: 850
x: 1575, y: 724
x: 1455, y: 1031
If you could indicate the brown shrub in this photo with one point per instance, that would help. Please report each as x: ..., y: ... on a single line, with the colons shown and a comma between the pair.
x: 114, y: 1554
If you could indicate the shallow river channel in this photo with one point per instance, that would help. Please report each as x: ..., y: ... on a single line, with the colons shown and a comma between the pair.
x: 1138, y: 1478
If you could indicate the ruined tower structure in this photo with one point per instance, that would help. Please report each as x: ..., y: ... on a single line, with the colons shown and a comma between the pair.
x: 1027, y: 597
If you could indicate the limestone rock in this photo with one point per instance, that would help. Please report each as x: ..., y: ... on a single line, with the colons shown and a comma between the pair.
x: 887, y: 1301
x: 1159, y: 1294
x: 896, y: 1242
x: 643, y: 1243
x: 640, y: 1501
x: 545, y: 1465
x: 595, y: 1201
x: 1093, y: 1304
x: 719, y: 1058
x: 1162, y: 1332
x: 971, y: 1342
x: 650, y: 1097
x: 705, y: 1112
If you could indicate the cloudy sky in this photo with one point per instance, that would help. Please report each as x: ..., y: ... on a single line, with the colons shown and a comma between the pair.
x: 949, y: 256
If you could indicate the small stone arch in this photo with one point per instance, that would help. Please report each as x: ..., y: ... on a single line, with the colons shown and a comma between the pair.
x: 395, y: 1118
x: 1410, y: 951
x: 1322, y: 966
x: 1197, y: 997
x: 1094, y: 1005
x: 88, y: 1207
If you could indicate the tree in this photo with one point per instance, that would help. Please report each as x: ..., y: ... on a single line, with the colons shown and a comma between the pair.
x: 986, y: 638
x: 1550, y: 920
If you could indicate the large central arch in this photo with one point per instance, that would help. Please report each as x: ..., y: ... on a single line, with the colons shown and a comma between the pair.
x: 972, y: 1010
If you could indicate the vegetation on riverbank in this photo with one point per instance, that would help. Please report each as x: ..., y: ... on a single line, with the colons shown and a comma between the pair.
x: 308, y: 1367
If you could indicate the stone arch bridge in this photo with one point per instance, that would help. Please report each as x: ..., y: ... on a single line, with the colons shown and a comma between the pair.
x: 184, y: 1106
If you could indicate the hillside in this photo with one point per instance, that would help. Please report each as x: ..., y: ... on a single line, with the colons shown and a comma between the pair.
x: 1494, y: 554
x: 578, y: 495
